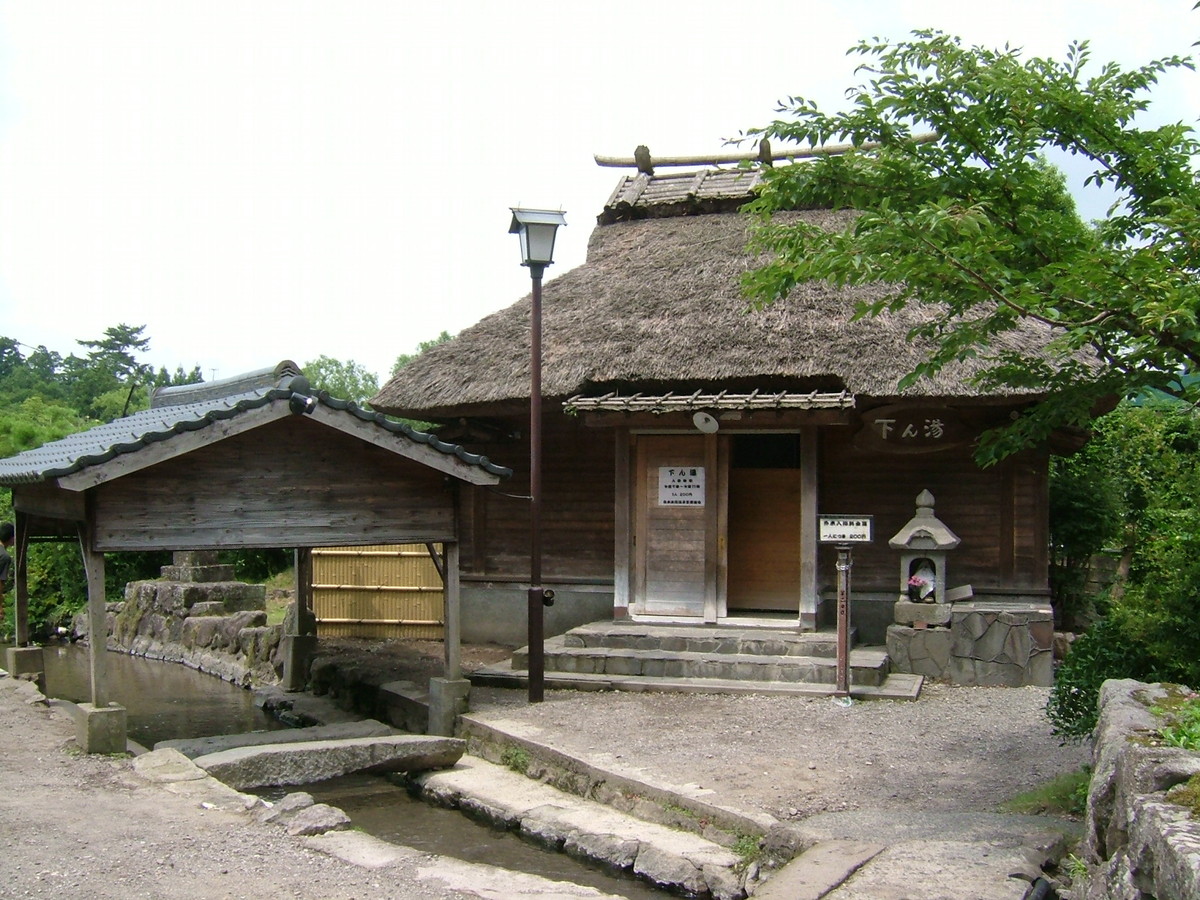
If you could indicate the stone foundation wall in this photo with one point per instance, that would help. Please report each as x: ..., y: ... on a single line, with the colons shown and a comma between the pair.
x: 216, y: 627
x: 1008, y: 644
x: 1138, y: 845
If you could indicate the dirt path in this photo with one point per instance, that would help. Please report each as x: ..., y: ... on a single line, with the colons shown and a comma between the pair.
x: 956, y: 749
x: 74, y: 826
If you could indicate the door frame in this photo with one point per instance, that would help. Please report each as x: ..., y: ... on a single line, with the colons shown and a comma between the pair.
x: 717, y: 453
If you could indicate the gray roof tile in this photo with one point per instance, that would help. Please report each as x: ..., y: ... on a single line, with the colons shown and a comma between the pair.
x: 130, y: 434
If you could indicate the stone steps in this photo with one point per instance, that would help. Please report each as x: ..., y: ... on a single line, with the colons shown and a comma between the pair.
x: 867, y: 666
x: 747, y: 658
x: 702, y: 639
x: 893, y: 687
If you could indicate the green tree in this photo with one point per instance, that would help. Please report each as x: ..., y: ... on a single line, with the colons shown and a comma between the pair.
x: 1144, y: 464
x: 45, y: 397
x: 405, y: 358
x: 973, y: 223
x: 344, y: 380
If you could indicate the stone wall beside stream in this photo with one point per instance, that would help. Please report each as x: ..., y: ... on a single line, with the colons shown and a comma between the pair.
x: 1139, y: 845
x: 198, y: 615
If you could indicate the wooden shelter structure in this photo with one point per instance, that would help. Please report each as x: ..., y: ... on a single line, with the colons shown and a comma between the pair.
x: 258, y: 461
x: 692, y: 442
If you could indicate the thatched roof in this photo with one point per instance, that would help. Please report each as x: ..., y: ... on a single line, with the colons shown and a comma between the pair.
x: 658, y: 306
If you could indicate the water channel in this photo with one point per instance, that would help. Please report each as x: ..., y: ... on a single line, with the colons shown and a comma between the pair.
x: 168, y: 700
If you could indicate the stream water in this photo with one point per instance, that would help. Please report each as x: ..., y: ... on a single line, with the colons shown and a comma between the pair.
x: 167, y: 700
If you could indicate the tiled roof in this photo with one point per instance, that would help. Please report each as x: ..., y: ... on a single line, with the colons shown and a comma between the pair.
x: 143, y: 429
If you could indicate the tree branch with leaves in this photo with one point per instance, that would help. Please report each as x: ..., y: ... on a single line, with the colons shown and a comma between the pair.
x: 978, y: 226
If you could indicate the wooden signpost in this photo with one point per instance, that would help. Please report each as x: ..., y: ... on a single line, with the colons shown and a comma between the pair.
x: 843, y: 531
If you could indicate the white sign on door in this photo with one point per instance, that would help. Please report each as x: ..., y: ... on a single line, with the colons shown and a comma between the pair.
x: 681, y: 486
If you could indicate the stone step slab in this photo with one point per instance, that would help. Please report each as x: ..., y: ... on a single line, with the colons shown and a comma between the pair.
x: 818, y: 870
x: 196, y: 747
x: 675, y: 860
x: 305, y: 762
x: 701, y: 639
x: 895, y: 686
x: 868, y: 666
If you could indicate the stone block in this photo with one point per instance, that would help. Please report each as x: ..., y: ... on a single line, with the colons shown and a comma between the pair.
x: 909, y: 613
x: 208, y: 608
x: 244, y: 768
x: 198, y: 573
x: 298, y: 650
x: 447, y: 701
x: 22, y: 661
x: 100, y: 729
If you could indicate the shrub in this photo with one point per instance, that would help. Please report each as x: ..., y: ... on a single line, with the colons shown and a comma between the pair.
x: 1102, y: 653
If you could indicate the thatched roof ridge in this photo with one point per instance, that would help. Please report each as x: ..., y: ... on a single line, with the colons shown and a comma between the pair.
x: 659, y: 305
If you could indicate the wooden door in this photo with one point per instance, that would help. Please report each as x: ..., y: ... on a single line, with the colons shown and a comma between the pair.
x: 674, y: 504
x: 764, y: 524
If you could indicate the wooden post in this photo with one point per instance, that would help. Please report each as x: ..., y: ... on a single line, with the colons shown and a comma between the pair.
x: 306, y: 620
x: 93, y: 564
x: 843, y: 621
x: 21, y: 580
x: 453, y: 611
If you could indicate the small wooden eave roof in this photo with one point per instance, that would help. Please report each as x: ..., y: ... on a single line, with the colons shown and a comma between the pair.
x: 614, y: 402
x: 146, y: 438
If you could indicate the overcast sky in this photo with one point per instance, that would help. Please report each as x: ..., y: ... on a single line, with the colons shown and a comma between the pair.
x: 257, y: 181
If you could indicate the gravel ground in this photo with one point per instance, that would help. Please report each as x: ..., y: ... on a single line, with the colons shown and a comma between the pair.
x: 955, y: 749
x: 86, y: 826
x: 74, y: 826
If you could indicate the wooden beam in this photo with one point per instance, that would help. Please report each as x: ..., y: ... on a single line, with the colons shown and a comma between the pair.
x: 48, y: 501
x: 21, y: 579
x: 623, y: 524
x: 93, y: 564
x: 716, y: 159
x: 452, y: 612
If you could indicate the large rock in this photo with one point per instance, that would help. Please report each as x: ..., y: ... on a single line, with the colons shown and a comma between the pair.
x: 1138, y: 844
x: 304, y: 763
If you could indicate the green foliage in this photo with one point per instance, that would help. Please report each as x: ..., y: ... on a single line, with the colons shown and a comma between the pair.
x: 515, y: 758
x: 1151, y: 454
x: 1183, y: 726
x: 974, y: 225
x: 405, y: 358
x: 1100, y: 654
x: 343, y: 380
x: 1064, y: 795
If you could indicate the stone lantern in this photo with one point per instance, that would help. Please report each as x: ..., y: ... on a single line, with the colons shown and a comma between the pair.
x: 923, y: 542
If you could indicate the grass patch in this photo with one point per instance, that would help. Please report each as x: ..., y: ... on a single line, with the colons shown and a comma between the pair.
x: 1187, y: 795
x: 1182, y: 714
x: 1064, y: 796
x: 516, y: 758
x: 749, y: 849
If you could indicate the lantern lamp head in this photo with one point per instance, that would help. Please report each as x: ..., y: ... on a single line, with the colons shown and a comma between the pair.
x: 536, y: 229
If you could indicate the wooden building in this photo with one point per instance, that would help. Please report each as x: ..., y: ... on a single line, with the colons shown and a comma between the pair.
x: 690, y: 442
x: 258, y: 461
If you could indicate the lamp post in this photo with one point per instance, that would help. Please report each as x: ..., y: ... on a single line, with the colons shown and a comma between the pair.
x: 536, y: 229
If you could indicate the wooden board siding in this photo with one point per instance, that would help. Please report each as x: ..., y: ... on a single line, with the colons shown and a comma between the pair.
x: 577, y: 508
x: 671, y: 573
x: 292, y: 483
x: 764, y: 539
x: 997, y: 512
x: 385, y: 591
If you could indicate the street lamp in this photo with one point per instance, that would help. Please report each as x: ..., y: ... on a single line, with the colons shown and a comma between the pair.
x: 536, y: 229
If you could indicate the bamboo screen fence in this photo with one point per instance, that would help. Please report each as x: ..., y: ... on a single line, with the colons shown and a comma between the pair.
x: 377, y: 592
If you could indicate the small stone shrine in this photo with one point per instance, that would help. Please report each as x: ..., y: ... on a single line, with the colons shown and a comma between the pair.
x: 947, y: 633
x: 923, y: 542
